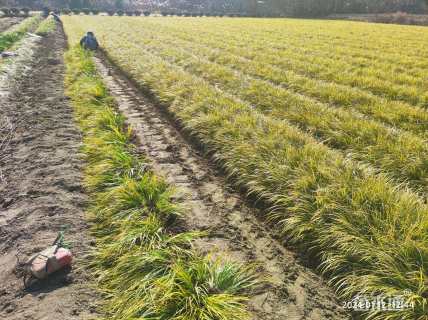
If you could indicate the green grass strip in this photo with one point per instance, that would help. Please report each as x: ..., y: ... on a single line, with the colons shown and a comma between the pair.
x: 145, y: 270
x: 46, y: 26
x: 16, y: 33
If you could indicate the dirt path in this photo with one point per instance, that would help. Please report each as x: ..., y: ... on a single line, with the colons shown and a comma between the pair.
x: 6, y: 23
x: 296, y: 292
x: 40, y: 184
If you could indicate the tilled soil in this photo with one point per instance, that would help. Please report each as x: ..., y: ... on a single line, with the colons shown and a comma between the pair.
x: 40, y: 184
x: 6, y: 23
x: 294, y: 291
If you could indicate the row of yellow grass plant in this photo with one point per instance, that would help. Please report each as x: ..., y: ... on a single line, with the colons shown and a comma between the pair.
x: 145, y: 270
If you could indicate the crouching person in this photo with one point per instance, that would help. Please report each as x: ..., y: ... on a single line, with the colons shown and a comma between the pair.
x: 89, y: 42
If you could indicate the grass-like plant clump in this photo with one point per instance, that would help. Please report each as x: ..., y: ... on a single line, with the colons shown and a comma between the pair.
x: 369, y: 232
x: 6, y: 40
x: 16, y: 33
x: 146, y: 270
x: 46, y: 26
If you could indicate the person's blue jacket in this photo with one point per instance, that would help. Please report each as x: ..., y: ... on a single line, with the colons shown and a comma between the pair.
x: 89, y: 42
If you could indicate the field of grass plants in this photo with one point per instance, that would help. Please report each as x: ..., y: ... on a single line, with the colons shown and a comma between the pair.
x: 46, y: 26
x: 324, y: 121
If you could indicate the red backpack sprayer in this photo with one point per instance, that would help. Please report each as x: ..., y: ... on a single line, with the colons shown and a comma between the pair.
x: 48, y: 261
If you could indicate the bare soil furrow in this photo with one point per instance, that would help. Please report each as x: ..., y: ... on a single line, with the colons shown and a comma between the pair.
x: 7, y: 22
x: 293, y: 290
x: 40, y: 184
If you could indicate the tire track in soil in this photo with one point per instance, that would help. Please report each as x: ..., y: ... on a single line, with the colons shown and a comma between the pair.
x: 295, y: 292
x: 40, y: 185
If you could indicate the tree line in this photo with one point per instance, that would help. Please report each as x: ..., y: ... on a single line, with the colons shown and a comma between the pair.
x: 297, y: 8
x: 305, y: 8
